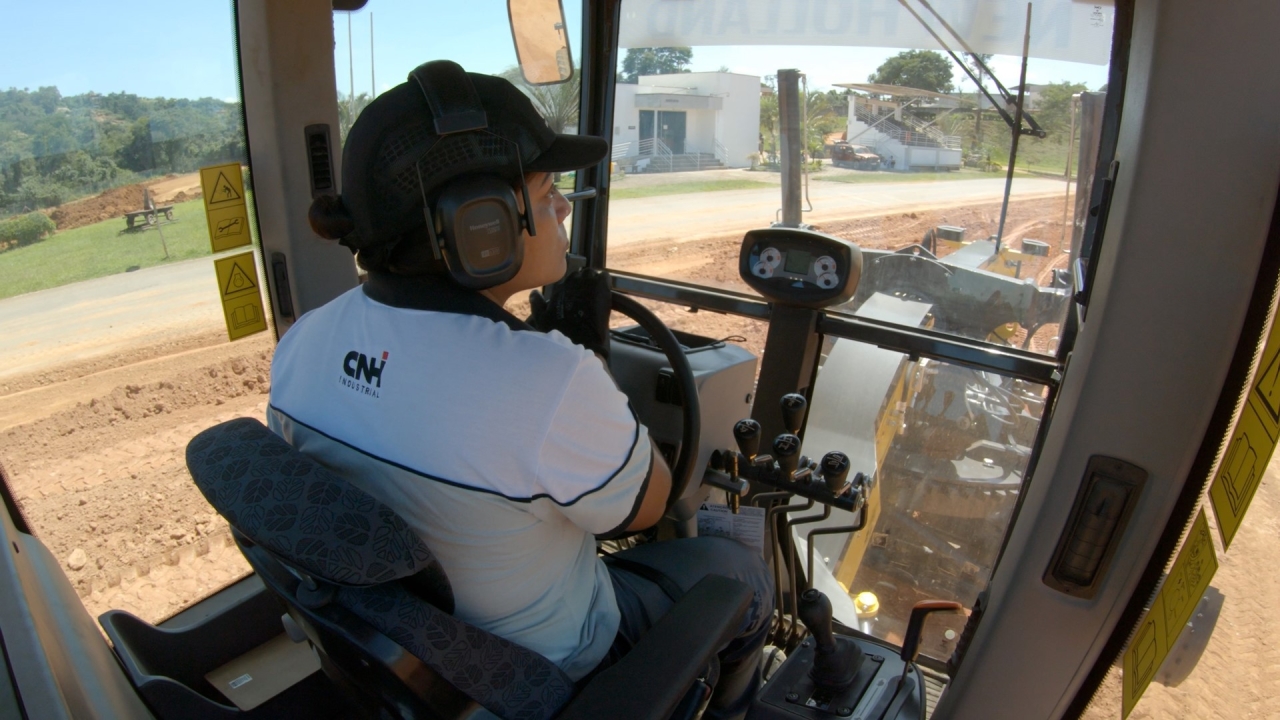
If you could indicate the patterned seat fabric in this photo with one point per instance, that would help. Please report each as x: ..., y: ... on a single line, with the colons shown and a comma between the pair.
x: 283, y: 501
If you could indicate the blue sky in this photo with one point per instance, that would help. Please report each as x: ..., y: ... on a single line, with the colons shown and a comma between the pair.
x: 187, y: 50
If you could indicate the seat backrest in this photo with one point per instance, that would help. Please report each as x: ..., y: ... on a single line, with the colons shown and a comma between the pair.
x: 359, y: 563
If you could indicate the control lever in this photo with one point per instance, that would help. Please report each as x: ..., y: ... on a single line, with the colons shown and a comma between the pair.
x: 835, y: 471
x: 793, y: 408
x: 915, y: 627
x: 835, y: 664
x: 786, y: 448
x: 747, y: 434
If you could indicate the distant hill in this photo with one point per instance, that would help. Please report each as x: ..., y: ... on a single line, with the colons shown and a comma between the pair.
x: 54, y: 149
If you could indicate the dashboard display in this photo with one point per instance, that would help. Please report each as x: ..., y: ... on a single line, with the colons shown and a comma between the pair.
x: 798, y: 262
x: 799, y: 267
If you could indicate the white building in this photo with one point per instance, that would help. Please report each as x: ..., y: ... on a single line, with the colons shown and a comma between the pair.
x: 687, y: 121
x: 891, y: 128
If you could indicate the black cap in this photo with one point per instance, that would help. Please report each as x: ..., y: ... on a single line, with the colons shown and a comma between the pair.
x: 393, y: 155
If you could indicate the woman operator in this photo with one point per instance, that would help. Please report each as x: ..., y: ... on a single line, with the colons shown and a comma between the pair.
x: 506, y: 446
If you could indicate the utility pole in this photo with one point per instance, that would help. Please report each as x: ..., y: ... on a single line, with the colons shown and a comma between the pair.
x: 373, y: 79
x: 351, y: 69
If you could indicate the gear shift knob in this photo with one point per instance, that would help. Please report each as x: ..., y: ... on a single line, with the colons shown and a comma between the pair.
x: 834, y: 665
x: 793, y: 407
x: 835, y: 470
x: 747, y: 434
x: 786, y: 448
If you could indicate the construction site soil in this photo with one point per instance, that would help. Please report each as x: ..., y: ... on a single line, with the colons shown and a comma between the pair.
x: 94, y: 452
x: 114, y: 203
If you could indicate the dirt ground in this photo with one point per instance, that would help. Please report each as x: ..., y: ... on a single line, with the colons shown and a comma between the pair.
x: 116, y: 202
x: 95, y: 454
x: 714, y: 261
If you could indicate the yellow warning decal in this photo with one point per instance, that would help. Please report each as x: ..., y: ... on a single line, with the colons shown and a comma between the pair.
x: 224, y: 206
x: 1252, y: 444
x: 1177, y: 600
x: 238, y: 287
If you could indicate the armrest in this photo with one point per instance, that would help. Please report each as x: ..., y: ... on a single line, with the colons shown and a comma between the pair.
x: 650, y: 680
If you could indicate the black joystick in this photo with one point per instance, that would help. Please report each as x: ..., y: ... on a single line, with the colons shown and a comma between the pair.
x: 835, y: 664
x: 793, y: 407
x: 786, y: 448
x: 835, y: 470
x: 747, y: 434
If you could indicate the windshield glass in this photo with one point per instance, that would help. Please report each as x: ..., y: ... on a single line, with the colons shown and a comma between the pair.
x: 898, y: 149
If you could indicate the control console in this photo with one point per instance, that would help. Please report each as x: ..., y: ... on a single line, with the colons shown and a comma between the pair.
x: 826, y: 481
x: 800, y: 267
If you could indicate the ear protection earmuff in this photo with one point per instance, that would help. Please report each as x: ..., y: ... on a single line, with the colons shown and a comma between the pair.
x: 476, y: 225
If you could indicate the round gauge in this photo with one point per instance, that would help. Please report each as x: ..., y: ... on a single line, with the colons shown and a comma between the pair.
x: 824, y: 264
x: 828, y: 280
x: 763, y: 269
x: 770, y: 257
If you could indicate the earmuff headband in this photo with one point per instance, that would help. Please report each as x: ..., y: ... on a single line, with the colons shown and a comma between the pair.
x: 453, y: 100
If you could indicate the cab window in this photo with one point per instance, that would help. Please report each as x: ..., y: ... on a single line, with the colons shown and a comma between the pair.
x: 114, y: 344
x: 903, y: 155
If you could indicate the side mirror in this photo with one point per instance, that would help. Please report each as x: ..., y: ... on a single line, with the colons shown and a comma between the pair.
x: 542, y: 45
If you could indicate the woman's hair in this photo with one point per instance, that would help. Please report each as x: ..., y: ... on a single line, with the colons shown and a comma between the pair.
x: 329, y: 218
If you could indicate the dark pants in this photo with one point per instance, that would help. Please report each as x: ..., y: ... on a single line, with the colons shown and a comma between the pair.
x: 685, y: 562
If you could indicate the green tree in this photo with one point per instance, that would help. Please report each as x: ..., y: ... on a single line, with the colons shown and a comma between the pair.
x: 919, y: 69
x: 138, y: 154
x: 769, y: 123
x: 654, y: 61
x: 820, y: 119
x: 976, y: 62
x: 1053, y: 109
x: 348, y: 111
x: 558, y: 104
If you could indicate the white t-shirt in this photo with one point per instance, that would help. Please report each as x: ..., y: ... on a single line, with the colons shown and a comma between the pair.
x: 506, y: 449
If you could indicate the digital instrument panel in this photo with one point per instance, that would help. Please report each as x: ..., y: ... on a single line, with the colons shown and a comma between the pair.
x: 800, y: 267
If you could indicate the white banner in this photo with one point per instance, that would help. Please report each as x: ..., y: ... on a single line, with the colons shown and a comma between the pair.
x: 1060, y: 29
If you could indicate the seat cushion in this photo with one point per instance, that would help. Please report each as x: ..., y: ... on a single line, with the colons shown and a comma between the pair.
x: 508, y: 679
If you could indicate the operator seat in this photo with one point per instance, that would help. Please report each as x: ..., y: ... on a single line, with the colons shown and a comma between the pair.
x: 376, y: 604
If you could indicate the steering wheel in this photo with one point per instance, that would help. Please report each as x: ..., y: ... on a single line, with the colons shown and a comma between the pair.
x: 683, y: 469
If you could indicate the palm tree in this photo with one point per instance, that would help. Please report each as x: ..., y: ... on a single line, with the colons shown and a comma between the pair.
x: 769, y: 124
x: 349, y: 110
x: 558, y: 103
x: 819, y: 119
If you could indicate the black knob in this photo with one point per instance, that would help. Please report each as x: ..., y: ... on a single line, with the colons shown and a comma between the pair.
x: 786, y: 448
x: 835, y: 665
x: 793, y: 407
x: 815, y: 613
x: 835, y: 470
x: 747, y: 434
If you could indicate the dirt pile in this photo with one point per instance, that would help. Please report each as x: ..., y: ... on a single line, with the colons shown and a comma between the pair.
x: 106, y: 205
x: 114, y: 203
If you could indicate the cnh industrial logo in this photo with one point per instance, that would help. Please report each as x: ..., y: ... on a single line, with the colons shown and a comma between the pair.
x: 363, y: 373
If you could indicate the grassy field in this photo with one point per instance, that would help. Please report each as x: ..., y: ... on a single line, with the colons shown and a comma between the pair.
x: 99, y: 250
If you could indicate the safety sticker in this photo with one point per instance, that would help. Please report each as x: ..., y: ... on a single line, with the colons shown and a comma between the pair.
x: 224, y: 206
x: 1172, y: 609
x: 1252, y: 444
x: 238, y: 287
x: 746, y: 526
